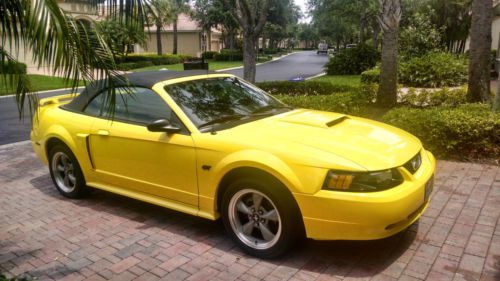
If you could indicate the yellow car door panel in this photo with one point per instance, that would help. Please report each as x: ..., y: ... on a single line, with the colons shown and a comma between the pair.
x: 127, y: 155
x: 130, y: 156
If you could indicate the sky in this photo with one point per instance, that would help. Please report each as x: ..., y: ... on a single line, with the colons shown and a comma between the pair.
x: 303, y: 6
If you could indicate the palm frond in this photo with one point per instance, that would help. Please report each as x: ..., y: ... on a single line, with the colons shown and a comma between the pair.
x: 68, y: 47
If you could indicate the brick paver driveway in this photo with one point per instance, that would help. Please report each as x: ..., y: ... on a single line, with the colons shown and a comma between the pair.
x: 106, y: 236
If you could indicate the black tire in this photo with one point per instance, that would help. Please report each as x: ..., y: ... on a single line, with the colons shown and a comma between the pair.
x: 78, y: 187
x: 292, y: 230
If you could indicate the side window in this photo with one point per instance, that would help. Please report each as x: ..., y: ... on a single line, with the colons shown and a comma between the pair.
x: 134, y: 105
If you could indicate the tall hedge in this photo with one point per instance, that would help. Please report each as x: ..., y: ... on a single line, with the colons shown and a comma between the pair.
x: 353, y: 61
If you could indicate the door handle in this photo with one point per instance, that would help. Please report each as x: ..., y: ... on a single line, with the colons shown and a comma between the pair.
x: 103, y: 132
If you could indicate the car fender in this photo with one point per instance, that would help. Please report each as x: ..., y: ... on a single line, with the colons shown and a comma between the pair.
x: 261, y: 160
x: 62, y: 134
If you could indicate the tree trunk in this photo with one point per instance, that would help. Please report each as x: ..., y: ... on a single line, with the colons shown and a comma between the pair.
x: 387, y: 92
x: 480, y: 45
x: 362, y: 25
x: 231, y: 39
x: 159, y: 47
x: 174, y: 49
x: 496, y: 102
x: 376, y: 30
x: 249, y: 57
x: 390, y: 16
x: 209, y: 39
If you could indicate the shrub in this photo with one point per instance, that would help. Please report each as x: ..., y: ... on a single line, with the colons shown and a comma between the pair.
x: 133, y: 65
x: 468, y: 131
x: 229, y: 55
x: 371, y: 76
x: 271, y: 51
x: 307, y: 88
x: 208, y: 55
x: 264, y: 58
x: 353, y: 61
x: 434, y: 70
x: 12, y: 67
x: 445, y: 96
x: 420, y: 36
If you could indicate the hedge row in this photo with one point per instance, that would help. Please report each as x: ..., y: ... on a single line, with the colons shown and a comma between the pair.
x: 13, y: 68
x: 468, y: 131
x: 154, y: 59
x: 133, y: 65
x: 308, y: 88
x: 229, y: 55
x: 431, y: 70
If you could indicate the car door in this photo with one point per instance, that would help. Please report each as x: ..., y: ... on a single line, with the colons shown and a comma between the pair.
x: 126, y: 155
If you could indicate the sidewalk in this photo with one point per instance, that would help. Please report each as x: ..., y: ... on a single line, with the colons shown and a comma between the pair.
x: 106, y: 236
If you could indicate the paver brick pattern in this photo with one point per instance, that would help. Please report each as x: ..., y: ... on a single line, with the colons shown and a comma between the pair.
x: 106, y: 236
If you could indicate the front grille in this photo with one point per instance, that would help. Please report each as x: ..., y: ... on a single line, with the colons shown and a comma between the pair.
x: 414, y: 164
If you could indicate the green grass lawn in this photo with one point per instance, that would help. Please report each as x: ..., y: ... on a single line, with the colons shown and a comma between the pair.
x: 39, y: 83
x: 212, y: 65
x: 350, y: 80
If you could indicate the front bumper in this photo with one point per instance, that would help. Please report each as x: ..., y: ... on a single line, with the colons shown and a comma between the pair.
x: 335, y: 215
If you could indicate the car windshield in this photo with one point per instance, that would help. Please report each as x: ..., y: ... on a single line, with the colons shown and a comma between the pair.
x: 221, y: 100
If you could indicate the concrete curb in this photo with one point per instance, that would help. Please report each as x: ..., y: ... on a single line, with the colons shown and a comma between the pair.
x: 316, y: 76
x: 14, y: 144
x: 274, y: 59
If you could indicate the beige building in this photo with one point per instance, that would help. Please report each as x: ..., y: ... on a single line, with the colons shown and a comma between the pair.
x: 191, y: 39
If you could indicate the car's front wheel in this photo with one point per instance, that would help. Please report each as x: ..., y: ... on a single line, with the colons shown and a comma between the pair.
x: 263, y: 223
x: 65, y: 172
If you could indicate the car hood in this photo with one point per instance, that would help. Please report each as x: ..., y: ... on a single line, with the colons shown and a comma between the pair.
x: 322, y: 135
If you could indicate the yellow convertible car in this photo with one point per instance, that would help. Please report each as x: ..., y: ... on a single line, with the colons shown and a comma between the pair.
x: 212, y: 145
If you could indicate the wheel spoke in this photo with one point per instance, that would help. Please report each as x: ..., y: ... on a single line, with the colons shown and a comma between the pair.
x: 271, y: 215
x: 60, y: 168
x: 243, y: 208
x: 247, y: 228
x: 72, y: 178
x: 66, y: 180
x: 257, y: 200
x: 266, y: 233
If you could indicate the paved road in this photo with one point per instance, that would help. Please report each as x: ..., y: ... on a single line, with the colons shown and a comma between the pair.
x: 303, y: 64
x: 106, y: 236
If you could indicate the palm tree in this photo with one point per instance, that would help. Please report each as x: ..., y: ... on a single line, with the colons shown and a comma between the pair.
x: 56, y: 40
x: 480, y: 46
x: 389, y: 18
x: 178, y: 7
x: 162, y: 13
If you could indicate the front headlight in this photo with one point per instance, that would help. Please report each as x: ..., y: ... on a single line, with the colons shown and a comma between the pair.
x: 362, y: 182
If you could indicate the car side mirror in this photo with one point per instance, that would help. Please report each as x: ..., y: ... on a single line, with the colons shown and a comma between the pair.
x: 163, y: 125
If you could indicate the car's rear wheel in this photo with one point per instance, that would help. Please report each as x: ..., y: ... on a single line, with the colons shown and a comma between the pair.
x: 66, y: 172
x: 261, y: 222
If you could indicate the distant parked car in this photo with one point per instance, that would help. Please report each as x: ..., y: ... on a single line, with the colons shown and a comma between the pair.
x: 350, y: 46
x: 332, y: 51
x: 322, y: 48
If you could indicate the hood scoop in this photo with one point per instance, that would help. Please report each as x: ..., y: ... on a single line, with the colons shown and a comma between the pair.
x: 336, y: 121
x: 315, y: 118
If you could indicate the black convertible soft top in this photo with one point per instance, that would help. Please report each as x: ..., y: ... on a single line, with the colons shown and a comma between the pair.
x: 145, y: 79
